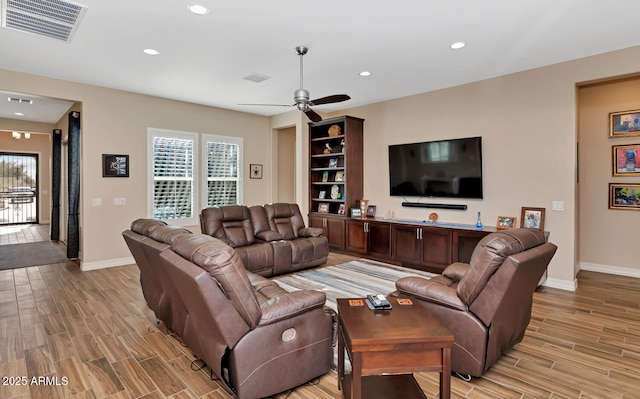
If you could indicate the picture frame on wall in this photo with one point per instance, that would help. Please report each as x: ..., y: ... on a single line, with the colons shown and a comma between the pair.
x: 532, y: 218
x: 624, y: 196
x: 255, y: 171
x: 506, y: 222
x: 626, y: 160
x: 624, y: 123
x: 115, y: 165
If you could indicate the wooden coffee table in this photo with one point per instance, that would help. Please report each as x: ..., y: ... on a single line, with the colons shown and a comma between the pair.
x: 386, y: 346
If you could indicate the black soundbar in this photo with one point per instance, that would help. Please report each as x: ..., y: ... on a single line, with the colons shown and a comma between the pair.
x: 436, y: 206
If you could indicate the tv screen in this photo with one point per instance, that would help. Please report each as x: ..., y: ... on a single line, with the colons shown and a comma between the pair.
x: 445, y: 168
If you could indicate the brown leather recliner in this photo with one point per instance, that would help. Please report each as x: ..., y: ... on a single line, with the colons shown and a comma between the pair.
x: 486, y: 304
x: 259, y: 338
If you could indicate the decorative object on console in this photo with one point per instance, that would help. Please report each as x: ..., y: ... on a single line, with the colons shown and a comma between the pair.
x: 532, y: 218
x: 115, y: 165
x: 256, y: 171
x: 335, y: 191
x: 323, y: 207
x: 626, y: 160
x: 479, y: 222
x: 506, y: 222
x: 624, y: 196
x: 433, y: 217
x: 363, y: 207
x: 371, y: 211
x: 339, y: 176
x: 334, y: 131
x: 327, y: 149
x: 624, y: 124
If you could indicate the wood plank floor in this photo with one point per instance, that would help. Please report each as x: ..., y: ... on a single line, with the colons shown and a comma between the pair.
x: 94, y: 331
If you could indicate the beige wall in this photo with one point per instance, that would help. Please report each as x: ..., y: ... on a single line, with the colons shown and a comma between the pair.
x: 608, y: 241
x: 528, y: 124
x: 39, y: 143
x: 116, y: 122
x: 286, y: 172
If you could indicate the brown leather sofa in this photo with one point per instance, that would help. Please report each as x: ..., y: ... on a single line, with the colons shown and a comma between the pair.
x: 258, y: 338
x: 270, y: 239
x: 487, y: 303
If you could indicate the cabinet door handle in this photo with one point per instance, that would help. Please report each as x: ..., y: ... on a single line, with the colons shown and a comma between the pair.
x: 417, y: 233
x: 366, y: 227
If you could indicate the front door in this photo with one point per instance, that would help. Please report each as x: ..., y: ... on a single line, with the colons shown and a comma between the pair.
x: 19, y: 188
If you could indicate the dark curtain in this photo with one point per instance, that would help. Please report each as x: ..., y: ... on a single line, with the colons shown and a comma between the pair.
x: 73, y: 236
x: 55, y: 183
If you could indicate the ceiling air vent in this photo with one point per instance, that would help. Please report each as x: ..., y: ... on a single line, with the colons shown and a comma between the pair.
x: 52, y: 18
x: 256, y: 77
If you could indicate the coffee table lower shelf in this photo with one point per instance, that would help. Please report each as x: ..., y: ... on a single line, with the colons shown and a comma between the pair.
x: 402, y: 386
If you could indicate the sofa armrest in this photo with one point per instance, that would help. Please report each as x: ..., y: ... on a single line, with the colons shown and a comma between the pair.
x: 269, y: 235
x: 290, y: 304
x: 310, y: 232
x: 456, y: 271
x: 437, y: 290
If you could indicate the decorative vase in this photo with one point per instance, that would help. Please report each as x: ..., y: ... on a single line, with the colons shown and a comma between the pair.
x: 479, y: 222
x: 363, y: 207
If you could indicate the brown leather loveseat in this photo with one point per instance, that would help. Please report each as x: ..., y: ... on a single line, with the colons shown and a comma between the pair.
x: 486, y: 304
x: 270, y: 239
x: 258, y: 338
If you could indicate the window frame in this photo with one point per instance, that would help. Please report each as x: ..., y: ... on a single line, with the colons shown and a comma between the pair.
x: 214, y: 138
x: 152, y: 133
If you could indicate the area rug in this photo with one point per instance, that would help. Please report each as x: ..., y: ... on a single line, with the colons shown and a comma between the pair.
x: 353, y: 279
x: 14, y: 256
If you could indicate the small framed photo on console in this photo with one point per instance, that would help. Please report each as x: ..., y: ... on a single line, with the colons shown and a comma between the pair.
x: 356, y: 213
x: 506, y: 222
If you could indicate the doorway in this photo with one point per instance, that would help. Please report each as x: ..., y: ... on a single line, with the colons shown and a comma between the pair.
x: 285, y: 188
x: 19, y: 188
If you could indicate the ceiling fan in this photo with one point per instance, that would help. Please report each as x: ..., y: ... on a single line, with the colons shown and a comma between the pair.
x: 301, y: 96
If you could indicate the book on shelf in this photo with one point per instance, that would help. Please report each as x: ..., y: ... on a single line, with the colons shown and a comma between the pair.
x: 325, y: 176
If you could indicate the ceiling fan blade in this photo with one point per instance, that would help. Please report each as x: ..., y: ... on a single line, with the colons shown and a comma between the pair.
x: 271, y: 105
x: 313, y: 115
x: 336, y: 98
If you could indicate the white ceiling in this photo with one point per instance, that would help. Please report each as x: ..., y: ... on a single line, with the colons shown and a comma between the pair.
x: 404, y: 44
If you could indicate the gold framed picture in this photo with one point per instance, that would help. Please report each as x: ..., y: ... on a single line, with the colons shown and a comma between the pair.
x: 506, y: 222
x: 624, y: 124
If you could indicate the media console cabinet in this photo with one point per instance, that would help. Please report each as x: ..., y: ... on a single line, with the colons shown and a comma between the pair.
x: 419, y: 245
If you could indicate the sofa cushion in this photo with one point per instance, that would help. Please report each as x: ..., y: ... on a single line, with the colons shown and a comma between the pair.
x: 490, y: 254
x: 284, y: 218
x: 224, y: 265
x: 144, y: 226
x: 230, y: 224
x: 168, y: 234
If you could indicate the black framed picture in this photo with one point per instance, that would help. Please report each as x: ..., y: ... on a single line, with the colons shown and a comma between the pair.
x: 115, y: 165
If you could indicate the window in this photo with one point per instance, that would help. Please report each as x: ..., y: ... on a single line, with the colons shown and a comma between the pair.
x: 174, y: 181
x: 222, y: 168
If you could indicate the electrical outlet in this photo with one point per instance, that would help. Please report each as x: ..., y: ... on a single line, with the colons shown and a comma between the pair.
x: 96, y: 202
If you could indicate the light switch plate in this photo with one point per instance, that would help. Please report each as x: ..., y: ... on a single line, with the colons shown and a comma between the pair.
x: 119, y: 201
x: 557, y: 205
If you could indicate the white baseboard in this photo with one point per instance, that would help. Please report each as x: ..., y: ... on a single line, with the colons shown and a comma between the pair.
x: 620, y: 271
x: 103, y: 264
x: 566, y: 285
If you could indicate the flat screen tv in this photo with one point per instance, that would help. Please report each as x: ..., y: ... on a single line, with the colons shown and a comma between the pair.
x: 444, y: 168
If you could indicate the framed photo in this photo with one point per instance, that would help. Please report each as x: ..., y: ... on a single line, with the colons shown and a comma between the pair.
x: 339, y: 176
x: 341, y: 208
x: 624, y: 124
x: 624, y: 196
x: 356, y: 213
x: 371, y: 211
x: 256, y: 171
x: 626, y: 160
x: 115, y: 165
x: 323, y: 207
x: 322, y: 194
x: 333, y: 162
x: 532, y: 218
x: 506, y: 222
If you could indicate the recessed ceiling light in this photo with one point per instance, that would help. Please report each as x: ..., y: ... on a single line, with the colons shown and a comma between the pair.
x: 365, y: 73
x: 150, y: 51
x: 18, y: 113
x: 458, y: 45
x: 198, y: 9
